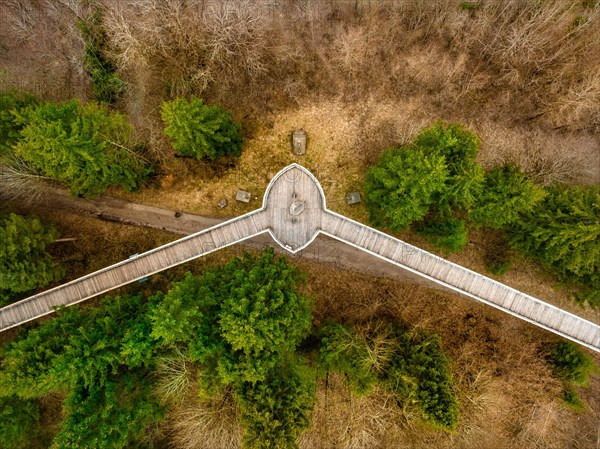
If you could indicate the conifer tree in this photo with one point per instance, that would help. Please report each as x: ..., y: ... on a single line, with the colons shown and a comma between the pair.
x: 84, y: 146
x: 200, y: 130
x: 506, y: 195
x: 25, y: 263
x: 563, y: 232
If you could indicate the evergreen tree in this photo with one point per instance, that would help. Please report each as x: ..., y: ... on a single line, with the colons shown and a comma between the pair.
x: 199, y: 130
x: 419, y: 374
x: 401, y: 187
x: 107, y: 86
x: 459, y: 147
x: 83, y: 146
x: 11, y: 103
x: 563, y: 232
x: 506, y: 195
x: 275, y: 412
x: 102, y: 358
x: 25, y: 264
x: 242, y: 324
x: 434, y: 180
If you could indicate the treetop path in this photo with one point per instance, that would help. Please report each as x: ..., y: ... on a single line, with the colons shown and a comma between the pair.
x: 294, y: 212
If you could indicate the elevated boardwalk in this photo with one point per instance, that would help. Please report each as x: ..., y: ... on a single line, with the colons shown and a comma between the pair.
x: 294, y: 213
x: 462, y: 280
x: 130, y: 270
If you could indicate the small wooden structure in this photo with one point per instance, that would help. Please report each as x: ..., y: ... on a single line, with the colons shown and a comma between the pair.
x: 353, y: 198
x: 299, y: 142
x: 243, y: 196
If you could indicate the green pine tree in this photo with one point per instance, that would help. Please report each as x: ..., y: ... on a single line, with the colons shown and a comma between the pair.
x: 83, y: 146
x: 563, y: 232
x: 506, y: 195
x: 401, y: 187
x: 199, y: 130
x: 25, y: 263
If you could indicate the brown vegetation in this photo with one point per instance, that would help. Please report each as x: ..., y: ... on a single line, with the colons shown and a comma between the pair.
x: 359, y: 76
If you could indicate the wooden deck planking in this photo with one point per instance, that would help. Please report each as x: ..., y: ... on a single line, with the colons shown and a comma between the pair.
x: 125, y: 272
x: 465, y: 281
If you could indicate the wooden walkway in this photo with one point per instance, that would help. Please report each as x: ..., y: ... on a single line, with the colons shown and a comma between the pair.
x: 462, y: 280
x: 294, y: 213
x: 130, y: 270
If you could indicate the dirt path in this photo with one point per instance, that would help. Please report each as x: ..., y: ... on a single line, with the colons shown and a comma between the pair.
x: 323, y: 249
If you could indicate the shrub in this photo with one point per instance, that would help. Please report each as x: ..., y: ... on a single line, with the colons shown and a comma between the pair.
x: 342, y: 350
x: 419, y: 374
x: 574, y: 367
x: 449, y: 234
x: 274, y: 413
x: 17, y: 416
x: 570, y: 363
x: 12, y: 102
x: 83, y: 146
x: 199, y: 130
x: 412, y: 367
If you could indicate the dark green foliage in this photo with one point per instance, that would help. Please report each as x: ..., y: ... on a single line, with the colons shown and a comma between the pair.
x: 27, y: 365
x: 102, y: 356
x: 401, y: 186
x: 112, y: 336
x: 83, y: 146
x: 343, y: 351
x: 199, y: 130
x: 238, y: 319
x: 275, y: 412
x: 570, y: 363
x: 107, y: 86
x: 506, y: 195
x: 574, y: 367
x: 572, y: 399
x: 419, y: 374
x: 25, y: 263
x: 12, y: 102
x: 434, y: 181
x: 242, y: 324
x: 449, y: 234
x: 563, y: 232
x: 109, y: 416
x: 459, y: 147
x: 413, y: 367
x: 17, y: 418
x: 78, y: 347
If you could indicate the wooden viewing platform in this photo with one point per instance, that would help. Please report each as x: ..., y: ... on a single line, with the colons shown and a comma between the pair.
x: 294, y: 212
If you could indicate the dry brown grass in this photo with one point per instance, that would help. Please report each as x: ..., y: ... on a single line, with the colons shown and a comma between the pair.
x: 507, y: 395
x: 211, y: 424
